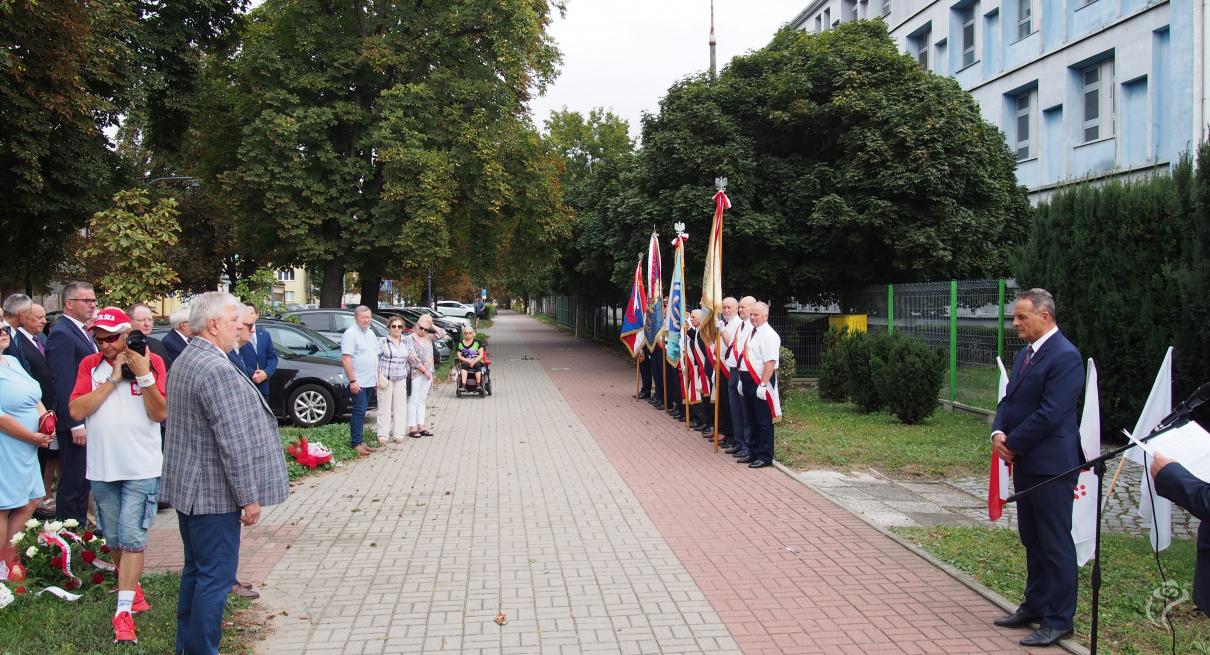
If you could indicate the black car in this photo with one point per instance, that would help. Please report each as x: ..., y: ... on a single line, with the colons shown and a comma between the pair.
x: 308, y: 389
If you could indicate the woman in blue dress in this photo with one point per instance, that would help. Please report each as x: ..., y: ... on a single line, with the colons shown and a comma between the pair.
x: 20, y: 482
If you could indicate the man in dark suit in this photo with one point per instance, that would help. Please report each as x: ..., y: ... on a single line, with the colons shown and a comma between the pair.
x: 143, y: 320
x: 260, y: 358
x: 11, y: 309
x: 32, y: 344
x: 67, y: 345
x: 178, y: 336
x: 1176, y: 483
x: 1036, y: 431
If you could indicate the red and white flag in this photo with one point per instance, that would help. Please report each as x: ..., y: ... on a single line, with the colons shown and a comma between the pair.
x: 1084, y: 509
x: 1154, y: 509
x: 1001, y: 471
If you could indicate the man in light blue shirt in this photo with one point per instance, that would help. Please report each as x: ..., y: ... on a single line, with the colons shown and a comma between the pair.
x: 359, y: 355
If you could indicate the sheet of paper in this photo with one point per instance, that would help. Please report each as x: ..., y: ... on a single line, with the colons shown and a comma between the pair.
x: 1188, y: 444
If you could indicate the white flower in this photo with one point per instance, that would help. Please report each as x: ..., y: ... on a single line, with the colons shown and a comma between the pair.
x: 94, y: 538
x: 6, y: 596
x: 71, y: 523
x: 54, y: 527
x: 32, y: 523
x: 31, y: 551
x: 17, y: 538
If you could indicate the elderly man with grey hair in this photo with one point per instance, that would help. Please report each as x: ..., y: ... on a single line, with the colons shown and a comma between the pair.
x: 359, y: 355
x: 178, y: 336
x: 223, y: 462
x: 760, y: 358
x: 12, y: 308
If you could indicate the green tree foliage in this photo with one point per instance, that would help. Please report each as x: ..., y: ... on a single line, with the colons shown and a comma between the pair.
x: 833, y: 367
x: 1126, y: 264
x: 125, y: 248
x: 386, y: 138
x: 847, y: 164
x: 257, y: 290
x: 861, y: 351
x: 908, y: 375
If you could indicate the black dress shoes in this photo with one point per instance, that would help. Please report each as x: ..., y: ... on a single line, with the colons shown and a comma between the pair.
x: 747, y: 459
x: 644, y: 395
x: 759, y: 464
x: 1045, y: 636
x: 740, y: 454
x: 677, y: 416
x: 725, y: 442
x: 1017, y: 619
x: 731, y: 450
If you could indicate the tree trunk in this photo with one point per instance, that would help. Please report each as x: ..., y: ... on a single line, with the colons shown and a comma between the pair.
x: 371, y: 282
x: 331, y: 294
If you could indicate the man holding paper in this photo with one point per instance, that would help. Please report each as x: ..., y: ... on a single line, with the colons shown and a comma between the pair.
x: 1036, y: 430
x: 1174, y: 482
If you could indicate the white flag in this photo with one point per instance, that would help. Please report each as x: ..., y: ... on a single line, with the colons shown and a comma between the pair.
x: 1084, y: 509
x: 997, y: 483
x: 1159, y: 404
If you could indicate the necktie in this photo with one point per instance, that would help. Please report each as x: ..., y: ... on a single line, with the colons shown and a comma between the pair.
x: 254, y: 341
x: 1029, y: 357
x: 39, y: 346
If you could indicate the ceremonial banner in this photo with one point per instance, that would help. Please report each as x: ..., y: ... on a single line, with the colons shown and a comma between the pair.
x: 654, y: 320
x: 674, y: 322
x: 1084, y: 509
x: 632, y: 324
x: 712, y: 276
x: 1159, y: 404
x: 1001, y: 472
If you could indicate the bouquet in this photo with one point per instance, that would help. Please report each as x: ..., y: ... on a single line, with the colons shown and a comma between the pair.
x: 54, y: 558
x: 310, y: 455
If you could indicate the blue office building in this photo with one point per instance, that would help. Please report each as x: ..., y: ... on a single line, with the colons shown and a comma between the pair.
x: 1083, y: 90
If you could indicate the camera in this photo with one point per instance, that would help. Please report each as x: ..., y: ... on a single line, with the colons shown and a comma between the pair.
x: 136, y: 341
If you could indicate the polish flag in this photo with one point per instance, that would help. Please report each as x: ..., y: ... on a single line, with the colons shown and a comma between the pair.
x: 1084, y: 509
x: 1001, y: 471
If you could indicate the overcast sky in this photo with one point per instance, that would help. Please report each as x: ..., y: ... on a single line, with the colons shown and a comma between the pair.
x: 624, y: 54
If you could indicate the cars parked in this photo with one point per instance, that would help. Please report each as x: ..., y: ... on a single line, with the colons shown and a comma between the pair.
x: 457, y: 322
x: 309, y: 388
x: 455, y: 308
x: 332, y: 323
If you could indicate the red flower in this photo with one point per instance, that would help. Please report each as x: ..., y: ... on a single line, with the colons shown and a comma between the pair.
x: 57, y: 561
x: 98, y: 577
x: 72, y: 583
x: 87, y: 535
x: 20, y: 590
x: 105, y: 550
x: 17, y: 573
x: 88, y: 556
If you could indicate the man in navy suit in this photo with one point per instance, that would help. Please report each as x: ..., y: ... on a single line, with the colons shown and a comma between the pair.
x: 1176, y: 483
x: 67, y: 345
x: 178, y: 336
x: 260, y: 358
x: 1037, y: 432
x: 32, y: 345
x: 12, y: 307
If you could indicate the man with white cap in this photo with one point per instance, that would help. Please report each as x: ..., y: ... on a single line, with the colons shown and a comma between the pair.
x: 120, y: 396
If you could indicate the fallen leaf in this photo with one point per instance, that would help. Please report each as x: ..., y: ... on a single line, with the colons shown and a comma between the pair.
x: 501, y: 619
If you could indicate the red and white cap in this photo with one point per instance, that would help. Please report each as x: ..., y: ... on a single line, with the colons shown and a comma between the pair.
x: 111, y: 319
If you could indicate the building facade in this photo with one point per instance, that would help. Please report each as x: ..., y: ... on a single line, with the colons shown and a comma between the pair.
x: 1082, y: 89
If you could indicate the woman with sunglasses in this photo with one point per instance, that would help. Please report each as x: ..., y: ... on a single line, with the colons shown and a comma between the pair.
x: 392, y: 383
x: 422, y: 364
x: 20, y: 480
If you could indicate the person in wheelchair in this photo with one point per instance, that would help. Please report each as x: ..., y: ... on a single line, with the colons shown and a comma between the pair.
x: 472, y: 358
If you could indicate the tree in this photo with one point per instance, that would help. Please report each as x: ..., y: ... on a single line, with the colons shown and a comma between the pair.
x: 388, y: 138
x: 125, y: 248
x: 848, y: 164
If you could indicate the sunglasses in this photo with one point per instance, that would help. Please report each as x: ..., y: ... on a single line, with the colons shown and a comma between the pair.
x: 396, y: 325
x: 109, y: 339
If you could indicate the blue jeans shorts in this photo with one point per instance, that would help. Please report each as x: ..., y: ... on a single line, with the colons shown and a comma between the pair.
x: 125, y: 511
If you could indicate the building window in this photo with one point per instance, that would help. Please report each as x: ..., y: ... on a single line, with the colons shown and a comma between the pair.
x: 1098, y: 101
x: 1024, y: 105
x: 886, y: 8
x: 289, y: 296
x: 827, y: 18
x: 919, y: 44
x: 819, y: 24
x: 1025, y: 18
x: 968, y: 36
x: 286, y: 275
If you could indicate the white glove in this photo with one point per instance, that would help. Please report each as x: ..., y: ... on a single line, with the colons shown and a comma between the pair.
x: 762, y: 391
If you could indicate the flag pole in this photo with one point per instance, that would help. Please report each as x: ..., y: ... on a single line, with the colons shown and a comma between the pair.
x: 685, y: 389
x: 718, y: 349
x: 636, y: 378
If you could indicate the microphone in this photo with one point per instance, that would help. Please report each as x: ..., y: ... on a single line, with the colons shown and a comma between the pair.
x: 1180, y: 413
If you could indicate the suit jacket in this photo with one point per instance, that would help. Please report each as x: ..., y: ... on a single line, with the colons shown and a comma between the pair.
x: 174, y: 345
x: 263, y: 357
x: 1177, y: 484
x: 221, y: 449
x: 236, y: 359
x: 156, y: 346
x: 14, y: 348
x: 65, y: 347
x: 38, y: 367
x: 1038, y: 411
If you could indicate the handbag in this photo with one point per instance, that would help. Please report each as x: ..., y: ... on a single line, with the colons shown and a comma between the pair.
x: 48, y: 422
x: 383, y: 382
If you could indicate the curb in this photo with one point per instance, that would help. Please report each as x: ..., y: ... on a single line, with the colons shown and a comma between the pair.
x: 1070, y: 645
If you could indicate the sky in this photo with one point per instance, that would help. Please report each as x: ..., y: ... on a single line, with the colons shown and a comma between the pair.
x: 624, y: 54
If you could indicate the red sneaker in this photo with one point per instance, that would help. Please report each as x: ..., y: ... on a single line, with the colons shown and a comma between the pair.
x: 123, y: 629
x: 140, y: 602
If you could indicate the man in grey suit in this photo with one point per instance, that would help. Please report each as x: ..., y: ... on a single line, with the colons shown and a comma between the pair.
x: 223, y: 462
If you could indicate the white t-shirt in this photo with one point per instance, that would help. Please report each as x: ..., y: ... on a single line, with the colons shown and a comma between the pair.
x: 123, y: 442
x: 764, y: 346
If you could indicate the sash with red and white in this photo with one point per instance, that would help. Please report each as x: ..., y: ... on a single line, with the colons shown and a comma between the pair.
x: 771, y: 396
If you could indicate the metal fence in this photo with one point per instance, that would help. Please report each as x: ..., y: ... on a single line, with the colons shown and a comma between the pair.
x: 970, y: 320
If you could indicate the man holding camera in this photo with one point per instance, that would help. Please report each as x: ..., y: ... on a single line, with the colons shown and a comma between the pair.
x: 120, y: 395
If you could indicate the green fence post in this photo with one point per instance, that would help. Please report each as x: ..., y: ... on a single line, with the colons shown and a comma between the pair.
x: 953, y: 340
x: 890, y: 309
x: 1000, y: 325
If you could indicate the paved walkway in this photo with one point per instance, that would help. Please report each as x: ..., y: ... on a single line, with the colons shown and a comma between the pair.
x: 595, y: 525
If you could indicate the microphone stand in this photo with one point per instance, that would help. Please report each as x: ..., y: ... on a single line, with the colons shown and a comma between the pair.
x: 1172, y: 422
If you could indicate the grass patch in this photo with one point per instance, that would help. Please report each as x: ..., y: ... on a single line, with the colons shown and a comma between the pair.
x: 977, y: 387
x: 335, y: 436
x: 816, y: 433
x: 995, y: 557
x: 45, y: 624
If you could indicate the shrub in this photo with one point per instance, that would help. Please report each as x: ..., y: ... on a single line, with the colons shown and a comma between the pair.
x: 908, y: 375
x: 787, y: 367
x: 833, y: 368
x: 860, y: 350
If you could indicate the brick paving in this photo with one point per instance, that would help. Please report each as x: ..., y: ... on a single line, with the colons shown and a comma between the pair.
x: 596, y: 525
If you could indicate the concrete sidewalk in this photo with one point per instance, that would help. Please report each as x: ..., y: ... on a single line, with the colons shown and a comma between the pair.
x: 595, y: 525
